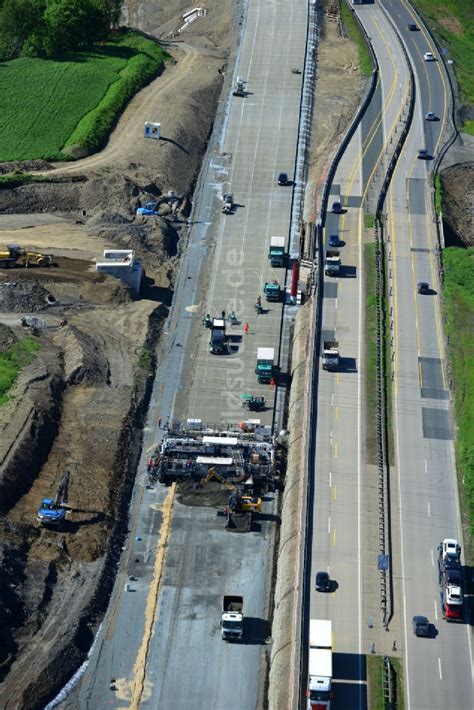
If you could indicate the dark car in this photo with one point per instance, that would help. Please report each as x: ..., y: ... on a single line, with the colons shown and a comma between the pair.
x: 423, y: 154
x: 452, y: 562
x: 423, y: 287
x: 283, y: 179
x: 412, y: 27
x: 336, y: 207
x: 333, y: 240
x: 323, y: 582
x: 453, y: 577
x: 421, y: 626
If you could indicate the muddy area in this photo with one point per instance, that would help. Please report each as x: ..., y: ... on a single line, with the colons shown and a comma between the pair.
x: 212, y: 495
x: 458, y: 188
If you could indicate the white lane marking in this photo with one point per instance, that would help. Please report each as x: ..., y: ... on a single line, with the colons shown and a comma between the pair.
x: 429, y: 510
x: 359, y: 447
x: 329, y: 525
x: 440, y: 671
x: 426, y: 466
x: 432, y: 558
x: 436, y: 609
x: 330, y: 436
x: 335, y: 303
x: 332, y: 400
x: 330, y: 479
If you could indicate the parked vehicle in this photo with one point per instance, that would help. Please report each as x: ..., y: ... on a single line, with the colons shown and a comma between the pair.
x: 232, y: 619
x: 217, y: 343
x: 276, y: 253
x: 265, y: 364
x: 272, y: 291
x: 283, y: 179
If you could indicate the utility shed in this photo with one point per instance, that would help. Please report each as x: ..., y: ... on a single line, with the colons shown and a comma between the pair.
x: 121, y: 263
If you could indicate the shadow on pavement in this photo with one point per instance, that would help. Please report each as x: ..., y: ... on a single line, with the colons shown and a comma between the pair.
x: 256, y: 631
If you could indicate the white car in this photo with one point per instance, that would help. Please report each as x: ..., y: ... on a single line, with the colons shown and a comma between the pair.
x: 453, y: 595
x: 451, y: 547
x: 430, y: 116
x: 428, y: 57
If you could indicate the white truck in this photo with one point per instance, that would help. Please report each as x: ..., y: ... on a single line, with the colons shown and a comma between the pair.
x: 276, y: 253
x: 332, y: 265
x: 319, y: 665
x: 331, y: 355
x: 232, y: 620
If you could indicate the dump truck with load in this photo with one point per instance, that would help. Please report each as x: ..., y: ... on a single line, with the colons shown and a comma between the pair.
x: 331, y: 355
x: 319, y: 665
x: 332, y: 265
x: 217, y: 343
x: 232, y: 620
x: 276, y: 253
x: 265, y: 364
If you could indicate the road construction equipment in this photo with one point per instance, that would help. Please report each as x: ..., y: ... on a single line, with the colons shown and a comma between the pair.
x: 332, y: 264
x: 242, y: 503
x: 150, y: 208
x: 264, y: 369
x: 276, y: 253
x: 240, y: 87
x: 272, y: 291
x: 232, y: 619
x: 227, y: 203
x: 217, y: 343
x: 331, y: 355
x: 18, y: 256
x: 213, y: 473
x: 53, y: 510
x: 251, y: 402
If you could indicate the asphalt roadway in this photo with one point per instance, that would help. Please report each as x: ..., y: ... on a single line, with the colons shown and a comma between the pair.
x: 344, y: 524
x: 438, y: 670
x: 163, y: 650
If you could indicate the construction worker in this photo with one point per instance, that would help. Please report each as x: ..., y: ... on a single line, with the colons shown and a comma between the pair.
x: 272, y: 383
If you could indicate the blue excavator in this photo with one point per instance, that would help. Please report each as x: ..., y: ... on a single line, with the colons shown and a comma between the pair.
x: 53, y: 510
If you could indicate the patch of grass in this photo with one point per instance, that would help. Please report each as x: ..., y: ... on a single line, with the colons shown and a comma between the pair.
x: 354, y: 33
x: 369, y: 220
x: 468, y: 127
x: 12, y: 360
x: 452, y: 21
x: 145, y: 359
x: 458, y: 307
x: 53, y: 105
x: 374, y: 683
x: 438, y: 194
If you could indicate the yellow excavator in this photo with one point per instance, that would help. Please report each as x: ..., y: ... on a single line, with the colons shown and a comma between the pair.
x: 15, y: 255
x: 237, y: 501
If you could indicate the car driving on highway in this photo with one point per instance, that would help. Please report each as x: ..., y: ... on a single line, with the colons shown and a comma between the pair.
x: 429, y: 57
x: 421, y: 626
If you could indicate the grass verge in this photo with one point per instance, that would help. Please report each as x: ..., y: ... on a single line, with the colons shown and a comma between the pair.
x: 458, y: 308
x: 375, y: 683
x: 354, y: 33
x: 371, y: 359
x: 369, y: 220
x: 72, y: 104
x: 452, y: 22
x: 12, y: 360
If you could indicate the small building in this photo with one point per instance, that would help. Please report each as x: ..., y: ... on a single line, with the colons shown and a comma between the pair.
x: 121, y: 263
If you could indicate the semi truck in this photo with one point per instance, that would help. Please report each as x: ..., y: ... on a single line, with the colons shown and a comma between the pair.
x: 276, y: 253
x: 331, y: 355
x: 332, y: 264
x: 319, y: 665
x: 232, y: 620
x: 264, y: 369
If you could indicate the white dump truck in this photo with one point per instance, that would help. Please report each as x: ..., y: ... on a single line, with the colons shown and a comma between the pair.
x: 331, y: 355
x: 319, y: 665
x: 232, y: 621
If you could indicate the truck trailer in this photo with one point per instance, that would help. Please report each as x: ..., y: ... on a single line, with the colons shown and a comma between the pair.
x: 319, y: 665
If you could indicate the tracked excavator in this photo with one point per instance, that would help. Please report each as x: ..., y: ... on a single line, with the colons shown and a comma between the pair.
x: 240, y: 506
x: 53, y: 510
x: 15, y: 255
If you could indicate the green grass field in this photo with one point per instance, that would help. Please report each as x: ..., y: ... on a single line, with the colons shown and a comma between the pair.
x: 352, y: 29
x: 459, y: 311
x: 56, y: 104
x: 452, y: 21
x: 12, y: 360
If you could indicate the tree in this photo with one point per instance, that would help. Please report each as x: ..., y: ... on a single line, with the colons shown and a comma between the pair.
x: 71, y: 25
x: 18, y: 20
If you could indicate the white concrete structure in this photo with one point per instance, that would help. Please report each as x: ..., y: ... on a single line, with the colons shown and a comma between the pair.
x: 121, y: 264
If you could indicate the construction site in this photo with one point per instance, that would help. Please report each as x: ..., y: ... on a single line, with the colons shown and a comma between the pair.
x: 72, y: 426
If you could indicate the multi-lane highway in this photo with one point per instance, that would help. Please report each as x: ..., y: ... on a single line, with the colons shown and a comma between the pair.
x: 438, y: 671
